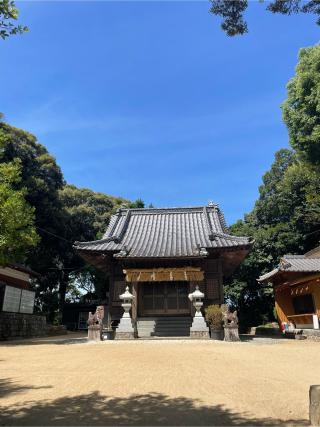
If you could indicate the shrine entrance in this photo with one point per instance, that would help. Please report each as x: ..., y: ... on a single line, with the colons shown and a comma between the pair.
x: 163, y: 298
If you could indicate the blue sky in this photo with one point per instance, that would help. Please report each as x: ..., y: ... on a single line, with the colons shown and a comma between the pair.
x: 152, y: 99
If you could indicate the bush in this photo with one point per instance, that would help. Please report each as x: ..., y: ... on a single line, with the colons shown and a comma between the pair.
x: 214, y: 316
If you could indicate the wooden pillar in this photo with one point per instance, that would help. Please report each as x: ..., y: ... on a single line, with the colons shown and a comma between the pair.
x: 192, y: 287
x: 220, y: 279
x: 134, y: 308
x: 134, y: 312
x: 111, y: 293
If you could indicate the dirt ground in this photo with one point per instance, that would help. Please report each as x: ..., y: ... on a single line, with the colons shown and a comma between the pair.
x: 72, y: 382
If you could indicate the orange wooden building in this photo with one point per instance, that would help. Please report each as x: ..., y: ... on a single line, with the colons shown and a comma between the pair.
x: 296, y: 284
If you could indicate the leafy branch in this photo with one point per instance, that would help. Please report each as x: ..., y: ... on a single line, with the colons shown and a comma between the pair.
x: 8, y: 15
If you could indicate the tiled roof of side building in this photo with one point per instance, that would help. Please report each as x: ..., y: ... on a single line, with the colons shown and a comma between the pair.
x: 163, y: 233
x: 294, y: 263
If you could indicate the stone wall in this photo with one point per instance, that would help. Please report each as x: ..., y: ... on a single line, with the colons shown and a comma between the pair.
x: 19, y: 325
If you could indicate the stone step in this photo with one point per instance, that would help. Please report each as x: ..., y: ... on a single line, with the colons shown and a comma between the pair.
x: 161, y: 325
x: 164, y: 318
x: 165, y: 322
x: 164, y: 326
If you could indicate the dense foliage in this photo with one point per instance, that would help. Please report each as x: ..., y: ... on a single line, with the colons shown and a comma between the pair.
x: 8, y: 15
x: 231, y: 12
x: 60, y: 214
x: 17, y: 231
x: 301, y: 111
x: 286, y: 217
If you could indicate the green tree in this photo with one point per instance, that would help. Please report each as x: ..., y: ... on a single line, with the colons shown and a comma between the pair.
x: 43, y: 179
x: 286, y: 216
x: 86, y: 217
x: 285, y: 219
x: 139, y: 203
x: 8, y: 15
x: 17, y: 231
x: 63, y: 213
x: 231, y: 12
x: 301, y: 110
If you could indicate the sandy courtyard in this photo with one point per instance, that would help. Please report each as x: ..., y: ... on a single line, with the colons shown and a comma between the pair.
x: 156, y: 382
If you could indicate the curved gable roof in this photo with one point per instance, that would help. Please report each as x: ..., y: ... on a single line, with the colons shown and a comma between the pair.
x: 165, y: 233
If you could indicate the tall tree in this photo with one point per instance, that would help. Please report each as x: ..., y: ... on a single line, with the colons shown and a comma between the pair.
x: 301, y: 110
x: 231, y: 12
x: 42, y: 178
x: 285, y: 219
x: 8, y: 15
x: 63, y: 213
x: 86, y: 217
x: 17, y: 231
x: 139, y: 203
x: 286, y: 216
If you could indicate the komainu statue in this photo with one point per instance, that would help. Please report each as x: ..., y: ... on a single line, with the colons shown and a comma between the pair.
x: 96, y: 317
x: 230, y: 324
x: 95, y: 324
x: 230, y: 318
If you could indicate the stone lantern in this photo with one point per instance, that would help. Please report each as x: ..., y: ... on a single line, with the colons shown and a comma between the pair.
x: 125, y: 329
x: 199, y: 328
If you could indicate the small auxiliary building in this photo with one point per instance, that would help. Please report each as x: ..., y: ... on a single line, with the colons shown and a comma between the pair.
x: 162, y: 254
x: 296, y: 285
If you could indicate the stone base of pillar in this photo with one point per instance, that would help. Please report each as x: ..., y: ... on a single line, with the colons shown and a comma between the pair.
x: 124, y: 335
x: 95, y: 332
x: 199, y: 334
x: 231, y: 333
x: 314, y: 405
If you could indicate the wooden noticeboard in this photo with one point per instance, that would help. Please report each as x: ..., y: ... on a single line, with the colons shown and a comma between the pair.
x: 18, y: 300
x: 27, y: 301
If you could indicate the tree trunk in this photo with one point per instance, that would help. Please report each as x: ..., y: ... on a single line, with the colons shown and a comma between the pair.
x: 63, y: 290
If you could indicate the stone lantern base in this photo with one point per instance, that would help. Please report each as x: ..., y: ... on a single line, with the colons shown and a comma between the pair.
x: 124, y: 336
x: 199, y: 334
x: 125, y: 329
x: 199, y: 328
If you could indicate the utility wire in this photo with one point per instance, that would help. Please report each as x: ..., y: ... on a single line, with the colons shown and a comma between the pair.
x: 69, y: 241
x: 54, y: 235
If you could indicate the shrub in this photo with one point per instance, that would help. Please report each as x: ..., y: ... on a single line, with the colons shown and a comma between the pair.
x: 214, y: 316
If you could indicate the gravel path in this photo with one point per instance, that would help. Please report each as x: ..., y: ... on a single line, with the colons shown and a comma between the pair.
x: 150, y: 382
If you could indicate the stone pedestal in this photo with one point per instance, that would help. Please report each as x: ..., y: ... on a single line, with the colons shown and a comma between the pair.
x: 95, y: 332
x: 125, y: 329
x: 124, y: 336
x: 231, y: 333
x: 314, y: 405
x: 199, y: 328
x: 200, y: 335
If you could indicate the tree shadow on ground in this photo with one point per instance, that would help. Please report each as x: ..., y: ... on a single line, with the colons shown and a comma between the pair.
x: 146, y: 409
x: 8, y: 386
x: 45, y: 341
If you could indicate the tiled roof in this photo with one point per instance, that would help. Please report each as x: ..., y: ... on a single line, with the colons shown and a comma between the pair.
x: 165, y: 233
x: 294, y: 263
x: 314, y: 253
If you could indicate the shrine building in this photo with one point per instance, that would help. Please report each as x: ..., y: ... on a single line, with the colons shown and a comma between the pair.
x: 162, y: 254
x: 296, y: 286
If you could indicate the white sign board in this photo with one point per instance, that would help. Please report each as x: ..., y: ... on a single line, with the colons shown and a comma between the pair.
x: 27, y: 301
x: 11, y: 300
